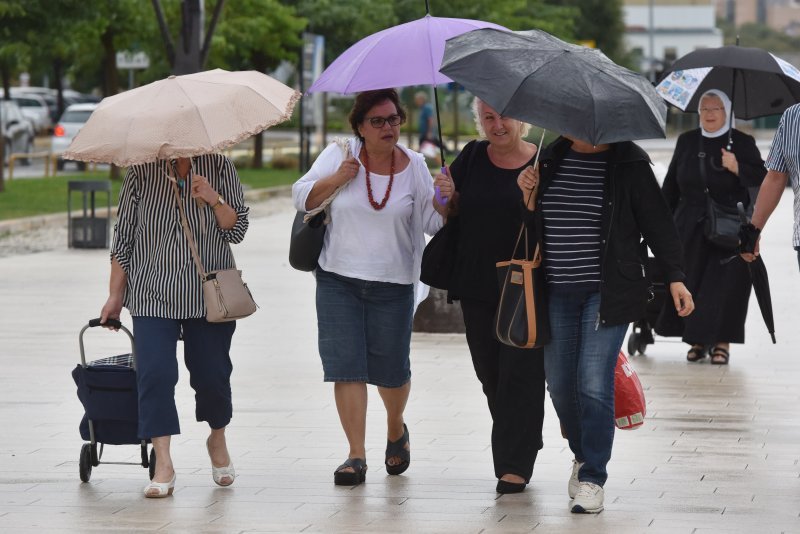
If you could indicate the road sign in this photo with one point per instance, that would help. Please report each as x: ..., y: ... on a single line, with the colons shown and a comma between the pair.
x: 132, y: 60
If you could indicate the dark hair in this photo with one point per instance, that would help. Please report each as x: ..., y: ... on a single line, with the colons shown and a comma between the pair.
x: 367, y: 100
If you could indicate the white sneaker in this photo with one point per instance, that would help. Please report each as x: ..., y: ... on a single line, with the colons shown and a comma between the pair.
x: 574, y: 484
x: 589, y: 499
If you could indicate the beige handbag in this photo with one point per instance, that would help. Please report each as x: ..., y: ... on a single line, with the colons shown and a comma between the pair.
x: 226, y: 296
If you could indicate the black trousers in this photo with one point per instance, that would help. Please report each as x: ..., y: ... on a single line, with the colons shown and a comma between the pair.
x: 513, y: 381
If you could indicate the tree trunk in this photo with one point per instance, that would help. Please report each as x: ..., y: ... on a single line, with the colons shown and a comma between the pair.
x: 58, y: 73
x: 6, y: 94
x: 258, y: 151
x: 110, y: 75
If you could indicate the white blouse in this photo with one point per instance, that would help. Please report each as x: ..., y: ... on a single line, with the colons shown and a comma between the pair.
x: 378, y: 245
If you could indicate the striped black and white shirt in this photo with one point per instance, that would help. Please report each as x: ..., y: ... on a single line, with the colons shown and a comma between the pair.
x: 572, y: 208
x: 149, y: 243
x: 784, y: 156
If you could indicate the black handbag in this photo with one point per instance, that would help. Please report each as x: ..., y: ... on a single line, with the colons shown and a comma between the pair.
x: 439, y: 256
x: 306, y: 242
x: 522, y: 319
x: 722, y: 222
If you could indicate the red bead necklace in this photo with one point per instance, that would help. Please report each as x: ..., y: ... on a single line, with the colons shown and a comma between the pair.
x: 375, y: 205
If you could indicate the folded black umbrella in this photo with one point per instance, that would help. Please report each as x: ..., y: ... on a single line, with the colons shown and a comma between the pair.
x: 748, y: 236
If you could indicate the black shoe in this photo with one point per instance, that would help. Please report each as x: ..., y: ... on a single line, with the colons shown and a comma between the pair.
x: 504, y: 487
x: 397, y: 449
x: 346, y: 478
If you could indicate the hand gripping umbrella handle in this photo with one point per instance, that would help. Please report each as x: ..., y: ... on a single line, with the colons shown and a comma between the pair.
x: 439, y: 198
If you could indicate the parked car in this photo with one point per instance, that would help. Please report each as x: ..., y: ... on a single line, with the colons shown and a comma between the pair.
x: 70, y: 123
x: 18, y: 134
x: 34, y: 108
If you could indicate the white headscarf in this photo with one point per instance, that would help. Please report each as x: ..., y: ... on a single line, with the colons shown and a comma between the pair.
x: 726, y: 103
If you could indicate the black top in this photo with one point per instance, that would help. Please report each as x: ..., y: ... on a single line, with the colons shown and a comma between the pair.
x: 490, y: 216
x: 572, y: 209
x: 683, y: 183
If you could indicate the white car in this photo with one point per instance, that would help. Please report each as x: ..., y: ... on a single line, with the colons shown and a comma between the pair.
x: 35, y: 109
x: 17, y: 131
x: 70, y: 123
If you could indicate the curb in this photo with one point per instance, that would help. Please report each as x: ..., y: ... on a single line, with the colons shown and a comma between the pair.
x: 37, y: 222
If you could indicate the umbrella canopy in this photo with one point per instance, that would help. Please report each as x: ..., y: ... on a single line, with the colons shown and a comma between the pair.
x: 403, y: 55
x: 758, y: 82
x: 535, y: 77
x: 182, y: 116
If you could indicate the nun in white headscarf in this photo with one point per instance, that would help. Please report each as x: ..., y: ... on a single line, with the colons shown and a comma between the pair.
x: 719, y: 157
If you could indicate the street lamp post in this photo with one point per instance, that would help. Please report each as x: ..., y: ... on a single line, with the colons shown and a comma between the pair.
x: 651, y: 53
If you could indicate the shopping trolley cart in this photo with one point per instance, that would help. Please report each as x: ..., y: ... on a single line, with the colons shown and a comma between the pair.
x: 107, y: 389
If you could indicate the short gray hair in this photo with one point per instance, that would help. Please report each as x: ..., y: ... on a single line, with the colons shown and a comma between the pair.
x: 523, y: 131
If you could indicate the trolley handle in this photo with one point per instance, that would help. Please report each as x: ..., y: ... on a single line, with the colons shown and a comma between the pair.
x: 113, y: 323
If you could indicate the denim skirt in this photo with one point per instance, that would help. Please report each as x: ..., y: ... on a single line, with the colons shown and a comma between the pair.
x: 364, y: 329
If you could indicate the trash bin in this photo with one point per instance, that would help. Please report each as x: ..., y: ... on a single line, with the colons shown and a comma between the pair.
x: 89, y: 230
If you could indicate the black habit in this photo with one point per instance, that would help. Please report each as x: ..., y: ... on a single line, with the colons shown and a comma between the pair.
x: 721, y: 291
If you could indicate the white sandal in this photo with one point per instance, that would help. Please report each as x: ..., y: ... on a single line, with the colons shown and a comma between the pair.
x: 159, y: 490
x: 219, y: 474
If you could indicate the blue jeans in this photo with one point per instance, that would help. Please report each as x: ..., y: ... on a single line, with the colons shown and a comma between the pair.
x: 206, y: 352
x: 364, y: 330
x: 579, y: 366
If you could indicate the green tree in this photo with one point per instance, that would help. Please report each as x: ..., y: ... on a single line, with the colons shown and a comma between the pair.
x: 513, y: 14
x: 257, y: 34
x: 600, y: 21
x: 345, y: 22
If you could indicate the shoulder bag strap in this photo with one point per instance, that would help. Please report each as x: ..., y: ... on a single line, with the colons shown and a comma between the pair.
x: 523, y: 231
x: 186, y: 230
x: 701, y: 156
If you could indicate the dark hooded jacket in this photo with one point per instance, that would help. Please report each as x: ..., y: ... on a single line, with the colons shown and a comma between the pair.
x: 633, y: 207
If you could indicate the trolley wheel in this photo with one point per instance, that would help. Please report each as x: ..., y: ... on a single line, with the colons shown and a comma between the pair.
x: 634, y: 344
x: 152, y: 470
x: 85, y: 463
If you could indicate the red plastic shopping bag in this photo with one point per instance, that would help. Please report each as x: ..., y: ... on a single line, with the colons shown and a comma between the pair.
x: 629, y: 403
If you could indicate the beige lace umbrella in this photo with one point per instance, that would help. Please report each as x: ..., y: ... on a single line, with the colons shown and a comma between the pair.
x: 182, y: 116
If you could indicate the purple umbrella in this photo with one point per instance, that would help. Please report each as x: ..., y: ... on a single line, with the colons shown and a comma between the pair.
x: 403, y: 55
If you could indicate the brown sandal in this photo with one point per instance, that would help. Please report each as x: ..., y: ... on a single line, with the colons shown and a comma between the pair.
x: 696, y: 353
x: 720, y: 356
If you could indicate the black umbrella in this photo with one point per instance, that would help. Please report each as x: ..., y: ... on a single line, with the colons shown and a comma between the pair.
x: 758, y: 82
x: 758, y: 275
x: 535, y: 77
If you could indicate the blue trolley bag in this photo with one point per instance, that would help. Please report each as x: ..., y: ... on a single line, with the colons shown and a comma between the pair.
x: 108, y: 392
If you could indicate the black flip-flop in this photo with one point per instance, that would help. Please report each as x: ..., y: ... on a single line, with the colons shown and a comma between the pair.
x: 696, y: 354
x: 397, y: 449
x: 720, y: 356
x: 346, y: 478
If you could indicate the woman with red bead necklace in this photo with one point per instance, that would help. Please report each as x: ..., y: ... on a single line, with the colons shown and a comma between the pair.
x: 368, y: 271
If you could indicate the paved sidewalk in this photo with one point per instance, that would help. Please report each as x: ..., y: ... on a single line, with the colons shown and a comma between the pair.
x: 719, y: 452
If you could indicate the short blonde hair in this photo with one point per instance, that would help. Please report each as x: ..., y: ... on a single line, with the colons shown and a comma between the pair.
x: 476, y: 114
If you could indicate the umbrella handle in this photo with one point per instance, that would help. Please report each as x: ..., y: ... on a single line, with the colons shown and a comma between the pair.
x: 439, y: 198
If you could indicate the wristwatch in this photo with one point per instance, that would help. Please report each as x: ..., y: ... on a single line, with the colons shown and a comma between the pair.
x: 220, y: 202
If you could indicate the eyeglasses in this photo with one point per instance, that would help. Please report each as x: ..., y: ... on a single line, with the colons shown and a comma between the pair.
x: 378, y: 122
x: 710, y: 110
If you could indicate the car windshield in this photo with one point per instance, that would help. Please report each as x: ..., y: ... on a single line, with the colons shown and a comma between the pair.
x: 75, y: 116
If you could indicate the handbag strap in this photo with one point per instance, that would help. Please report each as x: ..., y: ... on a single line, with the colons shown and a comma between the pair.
x: 701, y: 156
x: 187, y: 231
x: 531, y: 197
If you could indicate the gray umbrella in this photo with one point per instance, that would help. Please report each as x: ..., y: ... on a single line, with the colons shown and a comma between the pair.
x: 537, y: 78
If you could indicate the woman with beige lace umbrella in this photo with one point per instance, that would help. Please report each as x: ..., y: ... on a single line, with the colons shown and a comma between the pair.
x: 169, y: 134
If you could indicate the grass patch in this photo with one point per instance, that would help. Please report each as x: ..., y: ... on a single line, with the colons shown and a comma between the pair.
x: 27, y: 197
